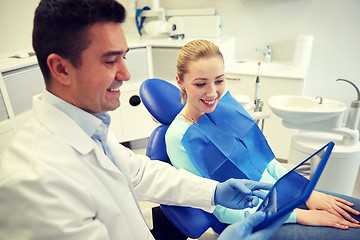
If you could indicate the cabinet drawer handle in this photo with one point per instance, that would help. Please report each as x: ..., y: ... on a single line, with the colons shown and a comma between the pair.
x: 135, y: 100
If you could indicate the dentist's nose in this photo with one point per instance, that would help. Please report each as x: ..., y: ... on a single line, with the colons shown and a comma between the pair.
x: 123, y: 73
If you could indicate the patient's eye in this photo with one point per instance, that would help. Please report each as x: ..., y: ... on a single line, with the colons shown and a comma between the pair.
x: 219, y: 81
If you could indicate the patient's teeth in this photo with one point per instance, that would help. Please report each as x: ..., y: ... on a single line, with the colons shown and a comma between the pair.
x: 209, y: 102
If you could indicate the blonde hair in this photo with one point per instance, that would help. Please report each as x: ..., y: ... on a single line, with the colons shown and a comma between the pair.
x: 192, y: 52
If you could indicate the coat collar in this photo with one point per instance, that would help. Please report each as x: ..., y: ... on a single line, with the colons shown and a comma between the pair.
x: 69, y: 131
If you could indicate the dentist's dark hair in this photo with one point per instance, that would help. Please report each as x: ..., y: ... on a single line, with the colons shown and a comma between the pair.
x: 61, y: 27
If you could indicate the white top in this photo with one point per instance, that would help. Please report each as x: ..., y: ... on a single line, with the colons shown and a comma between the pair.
x: 56, y: 183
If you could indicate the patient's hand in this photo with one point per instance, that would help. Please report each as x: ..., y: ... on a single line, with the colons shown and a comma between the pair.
x: 334, y: 205
x: 322, y: 218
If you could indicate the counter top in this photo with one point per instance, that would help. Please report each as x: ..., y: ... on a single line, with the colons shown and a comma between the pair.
x: 136, y: 41
x: 273, y: 69
x: 8, y: 63
x: 232, y: 66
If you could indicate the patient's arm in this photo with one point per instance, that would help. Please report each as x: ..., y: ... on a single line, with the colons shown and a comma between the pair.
x: 322, y: 218
x: 334, y: 205
x: 276, y: 169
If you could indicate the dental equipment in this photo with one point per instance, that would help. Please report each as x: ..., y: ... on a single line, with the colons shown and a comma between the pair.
x: 343, y: 166
x: 257, y: 85
x: 266, y: 52
x: 352, y: 121
x: 259, y: 103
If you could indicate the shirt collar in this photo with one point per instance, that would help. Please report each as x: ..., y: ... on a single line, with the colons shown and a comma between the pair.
x: 87, y: 122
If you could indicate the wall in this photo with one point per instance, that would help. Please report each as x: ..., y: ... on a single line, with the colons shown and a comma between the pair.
x: 255, y: 23
x: 16, y: 18
x: 333, y: 23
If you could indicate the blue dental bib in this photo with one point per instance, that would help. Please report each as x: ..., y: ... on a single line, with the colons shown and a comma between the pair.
x: 227, y: 143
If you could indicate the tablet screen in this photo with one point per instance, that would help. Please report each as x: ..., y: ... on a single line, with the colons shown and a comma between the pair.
x: 291, y: 189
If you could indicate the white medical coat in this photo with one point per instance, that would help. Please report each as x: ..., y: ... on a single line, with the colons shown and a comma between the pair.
x: 55, y: 183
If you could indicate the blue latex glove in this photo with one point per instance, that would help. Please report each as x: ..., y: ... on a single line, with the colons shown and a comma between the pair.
x: 240, y: 193
x: 270, y: 204
x: 243, y: 230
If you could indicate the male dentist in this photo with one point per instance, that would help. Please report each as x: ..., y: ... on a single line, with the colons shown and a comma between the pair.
x: 64, y: 176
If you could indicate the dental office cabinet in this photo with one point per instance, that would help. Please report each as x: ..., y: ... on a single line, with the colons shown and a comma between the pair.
x: 243, y: 83
x: 276, y: 79
x: 21, y: 79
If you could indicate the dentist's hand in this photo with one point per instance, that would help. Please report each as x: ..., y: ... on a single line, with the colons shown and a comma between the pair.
x: 243, y: 230
x: 240, y: 193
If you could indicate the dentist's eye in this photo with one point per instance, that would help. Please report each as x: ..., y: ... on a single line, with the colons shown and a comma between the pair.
x: 110, y: 62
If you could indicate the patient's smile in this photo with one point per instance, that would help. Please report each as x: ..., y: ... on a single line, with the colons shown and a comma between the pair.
x: 209, y: 103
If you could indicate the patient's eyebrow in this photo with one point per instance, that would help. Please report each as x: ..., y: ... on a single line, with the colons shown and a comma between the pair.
x: 204, y: 79
x: 200, y: 78
x: 220, y: 76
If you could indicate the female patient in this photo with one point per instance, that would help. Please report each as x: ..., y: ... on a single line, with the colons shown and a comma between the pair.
x: 200, y: 76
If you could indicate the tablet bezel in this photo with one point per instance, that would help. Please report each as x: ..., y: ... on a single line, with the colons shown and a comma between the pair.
x: 307, y: 191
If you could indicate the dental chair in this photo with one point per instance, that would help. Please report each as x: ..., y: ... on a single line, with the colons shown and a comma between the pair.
x: 163, y: 100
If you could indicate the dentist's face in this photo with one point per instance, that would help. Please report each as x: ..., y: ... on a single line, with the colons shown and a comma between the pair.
x: 96, y: 83
x: 204, y: 85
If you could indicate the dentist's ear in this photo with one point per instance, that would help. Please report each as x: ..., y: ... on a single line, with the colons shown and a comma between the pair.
x: 59, y: 68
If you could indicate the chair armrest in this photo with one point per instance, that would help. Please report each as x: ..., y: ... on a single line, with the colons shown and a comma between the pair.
x: 192, y: 222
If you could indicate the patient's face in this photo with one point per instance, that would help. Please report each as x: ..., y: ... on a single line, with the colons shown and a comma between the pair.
x: 204, y: 85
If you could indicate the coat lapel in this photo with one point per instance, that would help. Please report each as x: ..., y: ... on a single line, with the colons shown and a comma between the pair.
x: 67, y: 129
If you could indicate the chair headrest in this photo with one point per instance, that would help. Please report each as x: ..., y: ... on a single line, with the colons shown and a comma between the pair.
x: 162, y: 99
x: 156, y: 146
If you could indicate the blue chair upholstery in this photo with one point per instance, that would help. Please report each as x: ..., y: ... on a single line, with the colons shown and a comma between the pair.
x: 163, y: 100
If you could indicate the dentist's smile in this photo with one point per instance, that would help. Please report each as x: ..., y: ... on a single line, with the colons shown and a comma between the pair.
x: 114, y: 89
x: 114, y: 92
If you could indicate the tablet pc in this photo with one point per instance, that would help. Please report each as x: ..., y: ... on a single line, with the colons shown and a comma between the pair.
x: 294, y: 188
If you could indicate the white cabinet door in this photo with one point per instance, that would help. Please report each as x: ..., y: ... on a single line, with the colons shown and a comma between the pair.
x: 18, y: 86
x: 131, y: 121
x: 164, y: 62
x: 137, y: 64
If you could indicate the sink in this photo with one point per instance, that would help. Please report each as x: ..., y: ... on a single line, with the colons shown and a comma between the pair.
x: 308, y: 111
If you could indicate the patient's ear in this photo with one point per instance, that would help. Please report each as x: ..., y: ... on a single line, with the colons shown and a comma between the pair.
x: 179, y: 82
x: 59, y: 68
